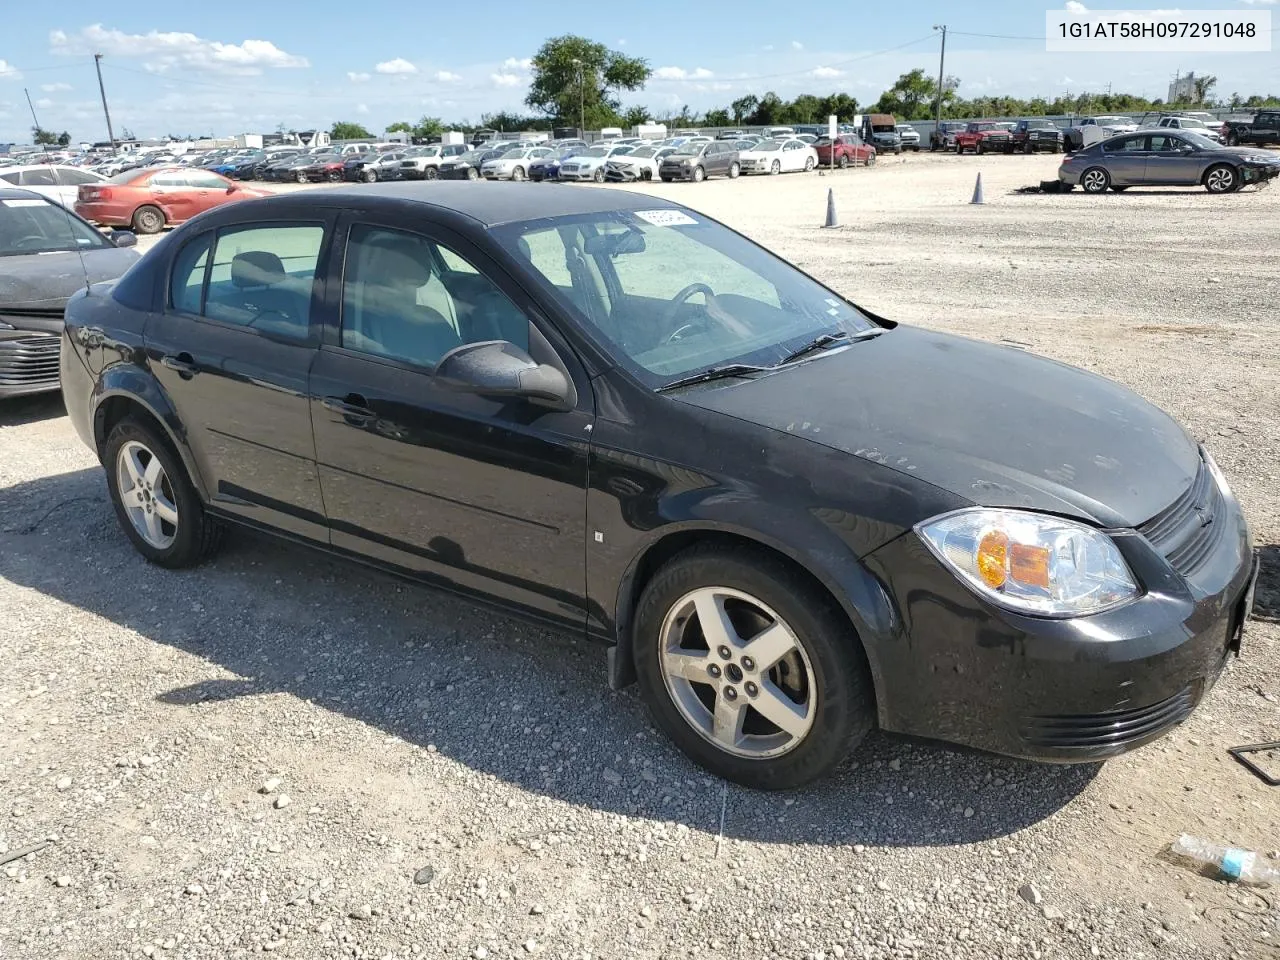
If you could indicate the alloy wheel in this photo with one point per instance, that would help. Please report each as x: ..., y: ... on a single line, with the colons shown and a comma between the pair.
x: 1095, y: 180
x: 1220, y: 180
x: 147, y: 495
x: 737, y: 673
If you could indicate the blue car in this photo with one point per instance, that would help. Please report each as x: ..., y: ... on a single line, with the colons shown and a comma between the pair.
x: 548, y: 168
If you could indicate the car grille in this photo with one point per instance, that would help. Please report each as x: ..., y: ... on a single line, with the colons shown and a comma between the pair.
x: 29, y: 361
x: 1188, y: 529
x: 1113, y: 729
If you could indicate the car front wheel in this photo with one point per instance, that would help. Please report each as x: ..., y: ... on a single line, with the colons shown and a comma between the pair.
x: 1221, y: 179
x: 750, y: 669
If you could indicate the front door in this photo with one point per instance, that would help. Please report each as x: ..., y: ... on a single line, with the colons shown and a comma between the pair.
x: 232, y: 349
x: 1171, y: 160
x: 481, y: 494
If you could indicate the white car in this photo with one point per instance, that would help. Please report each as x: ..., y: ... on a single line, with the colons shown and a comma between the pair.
x: 423, y: 163
x: 910, y: 136
x: 514, y: 164
x: 589, y: 165
x: 640, y: 164
x: 1192, y: 125
x: 59, y: 183
x: 1110, y: 125
x: 778, y: 156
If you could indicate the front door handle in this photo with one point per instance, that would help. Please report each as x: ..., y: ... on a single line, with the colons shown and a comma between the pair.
x: 183, y: 363
x: 353, y: 408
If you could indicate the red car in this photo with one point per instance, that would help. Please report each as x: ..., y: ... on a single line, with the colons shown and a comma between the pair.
x: 148, y: 200
x: 984, y: 136
x: 849, y: 149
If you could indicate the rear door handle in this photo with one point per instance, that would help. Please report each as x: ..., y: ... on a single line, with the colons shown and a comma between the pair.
x: 183, y: 363
x: 352, y: 407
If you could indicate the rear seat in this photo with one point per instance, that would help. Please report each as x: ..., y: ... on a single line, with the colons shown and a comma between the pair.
x: 260, y: 294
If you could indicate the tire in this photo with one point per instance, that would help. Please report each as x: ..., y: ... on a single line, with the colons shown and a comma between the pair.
x: 1095, y: 180
x: 1233, y: 139
x: 734, y: 170
x: 334, y: 177
x: 665, y: 178
x: 431, y: 173
x: 148, y: 219
x: 1221, y: 178
x: 472, y: 174
x: 195, y: 536
x: 1026, y: 147
x: 978, y: 148
x: 808, y: 164
x: 370, y: 175
x: 517, y: 173
x: 775, y: 168
x: 300, y: 178
x: 959, y: 148
x: 699, y: 174
x: 843, y: 162
x: 824, y: 672
x: 871, y: 160
x: 598, y: 175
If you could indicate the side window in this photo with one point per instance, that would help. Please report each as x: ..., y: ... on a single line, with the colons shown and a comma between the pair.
x: 186, y: 282
x: 262, y: 277
x: 9, y: 177
x: 1164, y: 143
x: 204, y: 180
x: 409, y: 298
x: 42, y: 177
x: 170, y: 178
x: 71, y: 177
x: 1125, y: 145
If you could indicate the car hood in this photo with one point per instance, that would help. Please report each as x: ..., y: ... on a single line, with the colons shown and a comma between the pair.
x: 1271, y: 155
x: 995, y: 425
x: 45, y: 281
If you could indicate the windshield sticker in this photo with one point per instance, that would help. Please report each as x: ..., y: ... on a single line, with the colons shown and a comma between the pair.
x: 23, y: 203
x: 666, y: 218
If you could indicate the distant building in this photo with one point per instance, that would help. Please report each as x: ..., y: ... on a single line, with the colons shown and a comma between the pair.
x: 1183, y: 89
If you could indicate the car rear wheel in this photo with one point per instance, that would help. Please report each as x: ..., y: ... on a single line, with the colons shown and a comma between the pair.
x: 156, y: 504
x: 334, y: 176
x: 775, y: 168
x: 871, y: 159
x: 734, y: 170
x: 959, y: 148
x: 808, y: 164
x: 1221, y: 179
x: 370, y: 175
x: 750, y: 669
x: 148, y: 219
x: 979, y: 148
x: 843, y: 161
x: 699, y: 174
x: 1095, y: 180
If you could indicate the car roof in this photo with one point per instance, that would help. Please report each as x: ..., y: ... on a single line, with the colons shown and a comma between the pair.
x: 17, y: 193
x: 490, y: 204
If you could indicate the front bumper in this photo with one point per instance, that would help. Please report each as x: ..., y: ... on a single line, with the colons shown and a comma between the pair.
x: 577, y: 174
x: 28, y: 362
x: 1258, y: 172
x: 1071, y: 690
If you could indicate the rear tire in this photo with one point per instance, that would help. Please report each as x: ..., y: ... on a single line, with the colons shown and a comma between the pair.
x: 822, y: 678
x: 517, y: 173
x: 734, y: 170
x: 808, y: 164
x: 194, y: 536
x: 300, y: 178
x: 148, y: 219
x: 1095, y: 180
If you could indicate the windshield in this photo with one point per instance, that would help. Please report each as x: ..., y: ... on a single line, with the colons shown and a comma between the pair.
x: 644, y: 152
x: 35, y: 225
x: 767, y: 147
x: 1111, y: 120
x: 674, y: 293
x: 596, y: 152
x: 1192, y: 123
x: 1203, y: 143
x: 514, y: 154
x: 1041, y: 125
x: 472, y: 156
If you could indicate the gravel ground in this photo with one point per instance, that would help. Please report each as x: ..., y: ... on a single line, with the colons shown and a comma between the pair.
x: 284, y: 753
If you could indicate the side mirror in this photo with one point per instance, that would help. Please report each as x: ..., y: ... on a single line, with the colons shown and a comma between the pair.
x: 124, y: 238
x: 498, y: 368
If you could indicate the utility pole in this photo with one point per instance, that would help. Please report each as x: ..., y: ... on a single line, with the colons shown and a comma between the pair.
x: 582, y: 101
x: 97, y: 62
x: 942, y: 62
x: 34, y: 119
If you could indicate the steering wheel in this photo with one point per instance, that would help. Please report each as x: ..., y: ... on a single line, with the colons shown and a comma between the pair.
x: 33, y: 239
x: 678, y: 301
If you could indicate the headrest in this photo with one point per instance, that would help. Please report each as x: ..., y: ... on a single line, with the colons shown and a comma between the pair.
x: 256, y: 268
x: 398, y: 263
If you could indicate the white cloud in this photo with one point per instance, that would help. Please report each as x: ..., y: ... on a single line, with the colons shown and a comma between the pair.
x: 160, y: 51
x: 622, y: 43
x: 511, y: 63
x: 1251, y: 2
x: 1075, y: 6
x: 679, y: 73
x: 826, y: 73
x: 444, y: 76
x: 44, y: 102
x: 797, y: 45
x: 357, y: 77
x: 504, y: 79
x: 362, y: 108
x: 55, y: 87
x: 8, y: 71
x: 397, y: 67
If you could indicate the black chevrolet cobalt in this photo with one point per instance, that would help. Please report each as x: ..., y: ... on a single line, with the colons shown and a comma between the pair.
x: 792, y: 520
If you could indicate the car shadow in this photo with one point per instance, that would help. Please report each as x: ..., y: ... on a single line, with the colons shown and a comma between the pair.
x: 528, y: 705
x: 32, y: 408
x: 1266, y: 595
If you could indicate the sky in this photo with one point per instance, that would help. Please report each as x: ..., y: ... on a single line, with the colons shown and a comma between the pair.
x: 225, y: 70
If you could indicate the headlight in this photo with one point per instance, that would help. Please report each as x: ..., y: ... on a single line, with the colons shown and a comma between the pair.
x: 1257, y: 158
x: 1031, y: 563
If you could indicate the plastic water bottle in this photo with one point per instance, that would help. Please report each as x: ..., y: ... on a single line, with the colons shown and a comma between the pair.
x: 1244, y: 866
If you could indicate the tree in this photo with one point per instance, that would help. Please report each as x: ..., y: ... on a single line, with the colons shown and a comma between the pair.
x: 576, y: 80
x: 717, y: 118
x: 510, y: 121
x: 64, y: 139
x: 427, y: 127
x: 913, y: 97
x: 841, y: 104
x: 634, y: 116
x: 769, y: 111
x: 400, y: 126
x: 43, y: 138
x: 743, y: 107
x: 345, y: 130
x: 1204, y: 88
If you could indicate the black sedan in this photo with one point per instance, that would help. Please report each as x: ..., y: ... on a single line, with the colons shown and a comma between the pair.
x: 792, y: 519
x: 47, y: 253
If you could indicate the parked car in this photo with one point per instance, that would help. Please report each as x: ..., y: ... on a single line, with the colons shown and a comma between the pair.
x: 466, y: 166
x: 1094, y: 129
x: 148, y: 200
x: 374, y: 167
x: 891, y: 553
x: 47, y: 253
x: 283, y: 170
x: 423, y: 163
x: 640, y: 164
x: 983, y: 136
x: 240, y: 167
x: 58, y: 182
x: 778, y: 156
x: 731, y: 135
x: 1167, y: 158
x: 548, y: 168
x: 848, y: 148
x: 326, y: 167
x: 772, y: 133
x: 589, y: 164
x: 881, y: 131
x: 698, y: 160
x: 1032, y: 136
x: 1263, y: 129
x: 910, y: 137
x: 514, y: 164
x: 1191, y: 124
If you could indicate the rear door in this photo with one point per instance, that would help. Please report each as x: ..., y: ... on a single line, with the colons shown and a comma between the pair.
x: 1126, y: 159
x: 169, y: 192
x: 1266, y: 128
x: 233, y: 348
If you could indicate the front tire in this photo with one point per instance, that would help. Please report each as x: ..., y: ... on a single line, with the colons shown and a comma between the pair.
x: 598, y: 175
x: 1095, y: 180
x: 775, y: 168
x: 370, y: 175
x: 1233, y: 139
x: 1221, y: 179
x: 300, y: 177
x: 148, y: 219
x: 517, y: 173
x: 699, y: 174
x: 750, y: 669
x: 154, y: 500
x: 734, y: 170
x: 472, y: 174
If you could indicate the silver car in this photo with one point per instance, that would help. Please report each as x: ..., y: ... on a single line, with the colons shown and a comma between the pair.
x: 1159, y: 158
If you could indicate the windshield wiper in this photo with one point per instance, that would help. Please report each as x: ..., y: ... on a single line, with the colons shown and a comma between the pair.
x: 715, y: 373
x: 826, y: 340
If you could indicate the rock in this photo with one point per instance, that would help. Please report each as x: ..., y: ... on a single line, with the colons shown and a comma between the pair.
x: 611, y: 776
x: 480, y: 953
x: 270, y: 786
x: 882, y: 885
x: 968, y: 813
x: 1051, y: 913
x: 148, y: 761
x: 895, y: 764
x: 1215, y: 279
x: 838, y: 952
x: 282, y: 801
x: 363, y: 912
x: 646, y: 912
x: 424, y: 875
x: 275, y: 848
x: 859, y: 848
x: 64, y: 783
x: 1029, y: 893
x: 63, y: 882
x: 530, y: 945
x: 194, y: 890
x: 536, y: 910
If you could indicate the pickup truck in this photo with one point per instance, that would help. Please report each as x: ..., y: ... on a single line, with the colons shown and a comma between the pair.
x: 1031, y: 136
x: 1264, y: 128
x: 944, y: 136
x: 984, y: 136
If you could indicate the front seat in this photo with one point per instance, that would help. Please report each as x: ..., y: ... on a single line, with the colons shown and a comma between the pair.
x: 386, y: 317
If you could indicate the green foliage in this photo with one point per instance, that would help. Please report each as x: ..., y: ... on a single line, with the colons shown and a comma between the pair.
x: 400, y: 126
x: 512, y: 122
x: 427, y: 127
x: 43, y: 138
x: 345, y: 130
x: 576, y: 81
x: 64, y: 139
